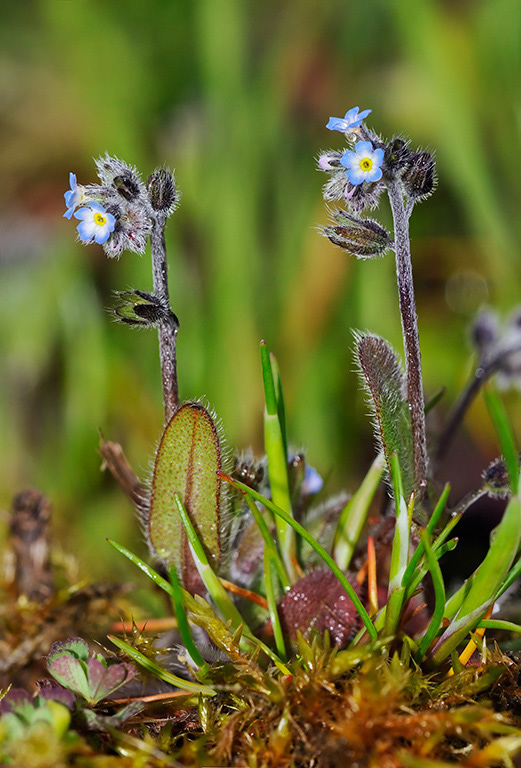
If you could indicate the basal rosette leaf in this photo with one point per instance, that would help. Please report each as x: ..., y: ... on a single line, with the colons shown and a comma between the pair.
x: 187, y: 462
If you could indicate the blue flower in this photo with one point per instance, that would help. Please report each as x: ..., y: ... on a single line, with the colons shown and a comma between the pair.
x: 364, y: 164
x: 349, y: 122
x: 74, y: 197
x: 96, y: 224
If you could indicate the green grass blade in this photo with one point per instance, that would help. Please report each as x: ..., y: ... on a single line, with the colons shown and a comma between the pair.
x: 147, y: 569
x: 505, y: 434
x: 269, y: 544
x: 354, y: 514
x: 274, y: 444
x: 189, y: 600
x: 487, y: 580
x: 433, y: 521
x: 400, y: 549
x: 183, y: 626
x: 281, y: 406
x: 319, y: 549
x: 439, y: 602
x: 158, y: 671
x: 506, y: 626
x: 272, y: 607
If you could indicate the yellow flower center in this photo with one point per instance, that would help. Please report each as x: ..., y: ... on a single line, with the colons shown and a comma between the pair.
x: 366, y: 164
x: 100, y: 219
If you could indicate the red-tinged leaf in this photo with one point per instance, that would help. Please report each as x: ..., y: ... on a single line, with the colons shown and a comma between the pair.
x: 187, y: 462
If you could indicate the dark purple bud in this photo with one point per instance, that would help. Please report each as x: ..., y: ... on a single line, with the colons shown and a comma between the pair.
x: 162, y: 191
x: 495, y: 480
x: 126, y: 186
x: 419, y: 177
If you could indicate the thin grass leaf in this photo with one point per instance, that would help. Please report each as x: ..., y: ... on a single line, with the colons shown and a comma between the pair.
x: 354, y: 514
x: 421, y: 572
x: 433, y: 521
x: 505, y: 434
x: 272, y: 607
x: 183, y: 626
x: 274, y: 443
x: 439, y: 599
x: 158, y: 671
x: 279, y: 394
x: 314, y: 544
x: 513, y: 575
x: 455, y: 634
x: 269, y: 545
x: 145, y: 567
x: 400, y: 549
x: 506, y: 626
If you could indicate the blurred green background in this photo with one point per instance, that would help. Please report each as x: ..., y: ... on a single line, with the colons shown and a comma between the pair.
x: 235, y: 95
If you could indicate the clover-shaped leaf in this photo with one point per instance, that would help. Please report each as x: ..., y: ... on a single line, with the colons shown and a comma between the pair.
x: 91, y: 676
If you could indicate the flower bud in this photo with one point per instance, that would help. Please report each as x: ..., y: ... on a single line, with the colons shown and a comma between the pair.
x: 145, y: 309
x: 162, y: 191
x: 329, y: 161
x: 397, y: 154
x: 495, y: 480
x: 419, y: 177
x: 365, y: 241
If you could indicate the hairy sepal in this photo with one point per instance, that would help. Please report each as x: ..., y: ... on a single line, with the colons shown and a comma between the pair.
x: 383, y: 378
x: 187, y: 462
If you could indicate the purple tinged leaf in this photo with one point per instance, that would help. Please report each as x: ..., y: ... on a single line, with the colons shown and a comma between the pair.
x: 71, y: 673
x: 105, y: 680
x: 50, y: 690
x: 76, y: 646
x: 13, y: 699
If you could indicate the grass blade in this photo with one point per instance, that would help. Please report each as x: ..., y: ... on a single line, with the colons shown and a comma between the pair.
x: 158, y: 671
x: 275, y: 446
x: 439, y: 603
x: 505, y: 435
x: 354, y: 514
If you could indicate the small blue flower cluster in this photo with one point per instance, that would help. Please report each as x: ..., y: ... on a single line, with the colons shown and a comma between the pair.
x: 119, y: 213
x: 95, y: 222
x: 364, y: 164
x: 351, y: 168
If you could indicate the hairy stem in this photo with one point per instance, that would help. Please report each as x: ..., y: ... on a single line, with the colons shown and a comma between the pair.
x: 410, y: 332
x: 167, y: 328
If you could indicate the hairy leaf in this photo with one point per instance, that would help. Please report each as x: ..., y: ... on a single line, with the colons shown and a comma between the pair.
x: 386, y: 385
x: 187, y: 461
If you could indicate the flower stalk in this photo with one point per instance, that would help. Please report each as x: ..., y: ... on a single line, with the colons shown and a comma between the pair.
x: 167, y: 326
x: 410, y: 331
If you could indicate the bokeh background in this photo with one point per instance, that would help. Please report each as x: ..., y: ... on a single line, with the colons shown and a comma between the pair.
x: 235, y: 95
